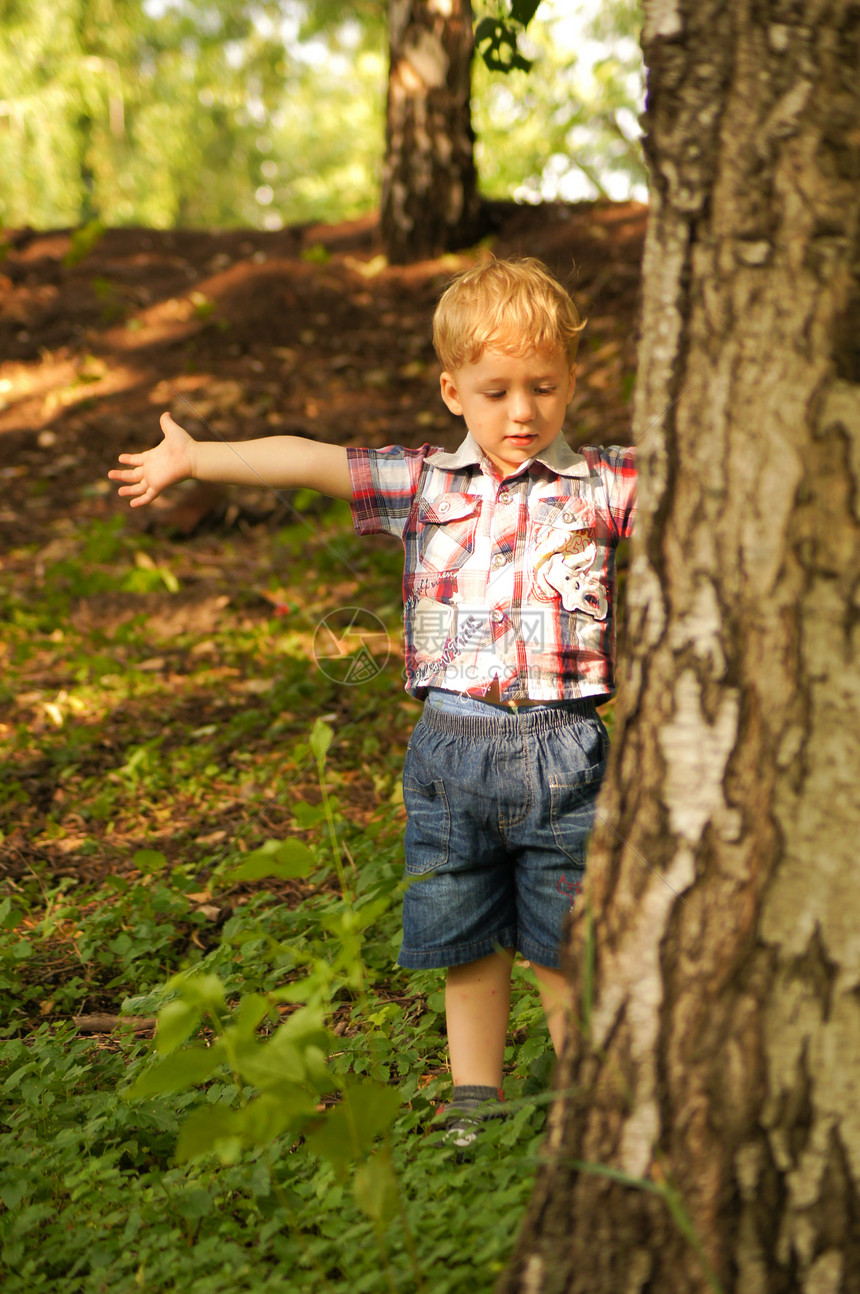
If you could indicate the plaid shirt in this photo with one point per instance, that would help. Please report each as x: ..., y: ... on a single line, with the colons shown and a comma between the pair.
x: 510, y: 579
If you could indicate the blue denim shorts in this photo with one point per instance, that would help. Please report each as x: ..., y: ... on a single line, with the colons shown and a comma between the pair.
x: 500, y: 805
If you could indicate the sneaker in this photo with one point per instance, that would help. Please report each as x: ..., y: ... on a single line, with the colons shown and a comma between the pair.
x: 461, y: 1125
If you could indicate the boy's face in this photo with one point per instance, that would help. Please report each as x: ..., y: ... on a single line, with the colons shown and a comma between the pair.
x: 514, y: 405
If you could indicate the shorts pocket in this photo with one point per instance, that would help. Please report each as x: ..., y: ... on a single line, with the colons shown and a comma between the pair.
x: 572, y: 810
x: 428, y: 826
x: 573, y: 795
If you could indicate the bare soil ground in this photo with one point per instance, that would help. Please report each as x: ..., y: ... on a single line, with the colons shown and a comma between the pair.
x: 240, y: 334
x: 243, y: 334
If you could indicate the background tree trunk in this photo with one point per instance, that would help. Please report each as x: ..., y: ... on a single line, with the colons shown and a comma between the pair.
x: 430, y: 199
x: 717, y: 1060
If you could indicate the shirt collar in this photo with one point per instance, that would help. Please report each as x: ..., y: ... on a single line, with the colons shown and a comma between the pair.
x: 558, y: 457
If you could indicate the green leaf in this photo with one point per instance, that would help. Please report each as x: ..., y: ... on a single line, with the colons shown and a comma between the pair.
x: 498, y: 46
x: 322, y: 735
x: 308, y: 815
x: 14, y: 1188
x: 522, y: 11
x: 301, y: 990
x: 376, y: 1189
x: 270, y: 1064
x: 149, y: 860
x: 487, y: 29
x: 83, y: 241
x: 193, y: 1204
x: 270, y: 1115
x: 349, y: 1131
x: 285, y: 859
x: 317, y: 254
x: 180, y: 1070
x: 224, y: 1132
x: 262, y: 1065
x: 359, y: 918
x: 203, y: 991
x: 208, y: 1131
x: 295, y: 1053
x: 176, y: 1020
x: 300, y: 1047
x: 248, y: 1016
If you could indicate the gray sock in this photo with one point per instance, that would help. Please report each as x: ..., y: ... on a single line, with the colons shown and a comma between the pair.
x: 468, y: 1096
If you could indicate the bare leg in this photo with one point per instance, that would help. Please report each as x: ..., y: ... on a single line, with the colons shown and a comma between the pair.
x: 555, y: 995
x: 477, y: 1007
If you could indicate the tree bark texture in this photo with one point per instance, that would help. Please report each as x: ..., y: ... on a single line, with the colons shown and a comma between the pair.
x: 708, y: 1132
x: 430, y: 198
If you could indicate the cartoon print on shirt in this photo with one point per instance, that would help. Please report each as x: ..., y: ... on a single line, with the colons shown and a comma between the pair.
x: 568, y: 574
x: 564, y: 559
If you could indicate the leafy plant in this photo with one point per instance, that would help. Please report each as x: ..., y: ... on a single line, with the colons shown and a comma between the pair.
x: 226, y: 860
x: 83, y: 241
x: 496, y: 38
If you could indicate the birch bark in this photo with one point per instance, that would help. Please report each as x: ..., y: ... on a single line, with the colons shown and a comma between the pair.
x: 717, y: 1058
x: 430, y: 200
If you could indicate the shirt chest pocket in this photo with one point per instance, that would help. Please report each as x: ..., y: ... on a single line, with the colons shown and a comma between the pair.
x: 562, y: 520
x: 447, y: 526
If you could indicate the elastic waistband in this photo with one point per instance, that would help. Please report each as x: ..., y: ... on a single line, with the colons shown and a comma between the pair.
x: 468, y: 716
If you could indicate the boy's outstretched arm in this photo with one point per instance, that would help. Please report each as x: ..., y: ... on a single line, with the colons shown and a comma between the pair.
x: 281, y: 462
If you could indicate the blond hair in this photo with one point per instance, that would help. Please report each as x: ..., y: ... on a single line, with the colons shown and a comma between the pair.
x: 506, y: 305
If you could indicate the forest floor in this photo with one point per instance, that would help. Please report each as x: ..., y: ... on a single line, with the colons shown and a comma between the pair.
x: 202, y: 728
x: 306, y: 331
x: 240, y: 334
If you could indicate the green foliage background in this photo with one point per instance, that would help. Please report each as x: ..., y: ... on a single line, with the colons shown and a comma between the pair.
x: 569, y: 121
x: 257, y: 113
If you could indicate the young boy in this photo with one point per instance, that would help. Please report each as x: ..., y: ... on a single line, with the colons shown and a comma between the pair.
x: 508, y: 609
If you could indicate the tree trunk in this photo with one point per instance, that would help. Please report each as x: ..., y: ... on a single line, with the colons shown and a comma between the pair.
x: 709, y: 1133
x: 430, y: 199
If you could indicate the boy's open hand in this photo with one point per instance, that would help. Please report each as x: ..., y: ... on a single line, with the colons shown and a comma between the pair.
x: 155, y: 469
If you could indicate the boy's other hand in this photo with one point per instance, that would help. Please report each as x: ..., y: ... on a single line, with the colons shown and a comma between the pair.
x: 156, y: 469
